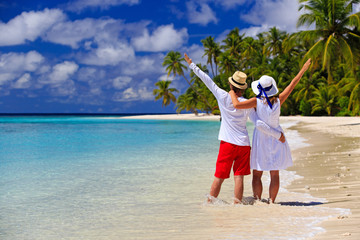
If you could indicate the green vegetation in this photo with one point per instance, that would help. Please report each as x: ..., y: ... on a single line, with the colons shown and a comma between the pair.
x: 330, y: 87
x: 165, y: 92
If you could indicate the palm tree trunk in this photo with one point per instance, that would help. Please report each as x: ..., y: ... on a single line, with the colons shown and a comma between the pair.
x: 212, y: 68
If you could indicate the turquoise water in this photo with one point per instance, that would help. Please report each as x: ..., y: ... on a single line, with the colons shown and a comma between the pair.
x: 60, y: 175
x: 111, y: 178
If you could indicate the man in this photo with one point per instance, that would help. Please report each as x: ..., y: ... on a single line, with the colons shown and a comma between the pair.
x: 234, y: 149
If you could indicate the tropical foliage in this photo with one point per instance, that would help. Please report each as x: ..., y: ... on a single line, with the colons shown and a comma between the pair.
x: 330, y: 87
x: 164, y: 92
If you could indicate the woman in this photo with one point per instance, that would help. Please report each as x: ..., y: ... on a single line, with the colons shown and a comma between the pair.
x: 267, y: 153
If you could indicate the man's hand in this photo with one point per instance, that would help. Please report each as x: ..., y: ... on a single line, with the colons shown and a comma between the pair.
x: 282, y: 138
x: 187, y: 59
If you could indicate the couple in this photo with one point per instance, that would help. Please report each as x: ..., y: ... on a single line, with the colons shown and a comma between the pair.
x: 270, y: 151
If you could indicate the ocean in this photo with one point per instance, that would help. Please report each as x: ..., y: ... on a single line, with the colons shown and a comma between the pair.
x: 105, y: 177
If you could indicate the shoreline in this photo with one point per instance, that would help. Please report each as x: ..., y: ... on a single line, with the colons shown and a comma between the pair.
x: 187, y: 116
x: 329, y: 166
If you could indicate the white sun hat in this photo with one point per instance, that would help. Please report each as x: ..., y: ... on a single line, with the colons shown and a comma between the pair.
x: 265, y: 85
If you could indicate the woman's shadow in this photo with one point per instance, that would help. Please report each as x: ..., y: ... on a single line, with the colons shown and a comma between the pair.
x: 252, y: 201
x: 300, y: 203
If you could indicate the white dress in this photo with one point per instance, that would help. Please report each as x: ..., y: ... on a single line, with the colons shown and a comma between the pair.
x: 267, y: 152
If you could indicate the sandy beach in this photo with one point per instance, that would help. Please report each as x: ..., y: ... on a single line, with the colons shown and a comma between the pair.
x: 329, y: 165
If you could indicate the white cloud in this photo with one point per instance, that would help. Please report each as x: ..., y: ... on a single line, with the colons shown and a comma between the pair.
x: 96, y: 78
x: 90, y: 32
x: 142, y: 92
x: 58, y: 81
x: 32, y: 61
x: 254, y: 31
x: 166, y: 77
x: 28, y: 26
x: 87, y: 74
x: 230, y: 4
x: 62, y: 72
x: 144, y: 65
x: 14, y: 65
x: 68, y: 88
x: 6, y: 77
x: 163, y: 38
x: 125, y: 96
x: 203, y: 16
x: 72, y: 33
x: 196, y: 53
x: 280, y: 13
x: 23, y: 82
x: 20, y: 61
x: 100, y: 39
x: 79, y: 5
x: 108, y: 54
x: 121, y: 81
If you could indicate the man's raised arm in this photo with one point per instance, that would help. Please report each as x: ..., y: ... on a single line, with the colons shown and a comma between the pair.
x: 205, y: 78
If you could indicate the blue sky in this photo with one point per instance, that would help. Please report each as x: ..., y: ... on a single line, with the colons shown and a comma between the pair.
x: 104, y: 56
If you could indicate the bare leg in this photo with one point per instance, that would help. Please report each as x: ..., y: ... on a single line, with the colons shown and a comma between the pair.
x: 239, y: 188
x: 274, y: 185
x: 215, y: 187
x: 257, y: 184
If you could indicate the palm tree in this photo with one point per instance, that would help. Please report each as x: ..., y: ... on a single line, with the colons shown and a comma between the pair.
x: 259, y: 66
x: 249, y: 48
x: 232, y: 43
x: 204, y: 90
x: 274, y: 40
x: 324, y: 100
x: 187, y: 102
x: 212, y: 51
x: 227, y: 63
x: 174, y: 65
x: 307, y: 86
x: 336, y: 30
x: 348, y: 86
x: 164, y: 92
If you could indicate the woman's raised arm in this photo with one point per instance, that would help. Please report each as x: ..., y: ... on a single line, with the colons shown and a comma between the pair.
x: 285, y: 94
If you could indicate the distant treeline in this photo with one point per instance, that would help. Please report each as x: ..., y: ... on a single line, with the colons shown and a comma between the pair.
x: 330, y: 87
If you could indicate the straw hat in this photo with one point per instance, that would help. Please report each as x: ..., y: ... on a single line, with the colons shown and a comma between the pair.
x: 267, y: 83
x: 238, y: 80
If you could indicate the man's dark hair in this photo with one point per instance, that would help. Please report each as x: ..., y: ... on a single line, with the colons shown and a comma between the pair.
x: 237, y: 90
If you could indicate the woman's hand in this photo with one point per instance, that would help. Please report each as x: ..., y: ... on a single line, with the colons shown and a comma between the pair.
x: 187, y: 59
x: 282, y: 138
x: 306, y: 65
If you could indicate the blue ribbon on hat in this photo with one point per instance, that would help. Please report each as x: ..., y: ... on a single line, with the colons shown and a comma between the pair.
x: 263, y: 90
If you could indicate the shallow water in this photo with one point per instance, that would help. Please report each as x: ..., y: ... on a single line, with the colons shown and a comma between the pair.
x: 108, y: 178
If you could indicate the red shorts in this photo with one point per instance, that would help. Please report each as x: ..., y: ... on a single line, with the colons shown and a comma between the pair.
x: 230, y: 154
